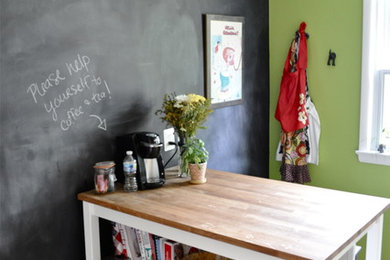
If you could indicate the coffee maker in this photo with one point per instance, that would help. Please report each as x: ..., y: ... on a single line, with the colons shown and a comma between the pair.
x: 146, y: 147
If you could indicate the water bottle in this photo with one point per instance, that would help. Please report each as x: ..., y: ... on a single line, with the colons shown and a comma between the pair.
x: 130, y: 172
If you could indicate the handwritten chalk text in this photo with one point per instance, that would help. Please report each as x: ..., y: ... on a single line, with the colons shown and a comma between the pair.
x: 73, y: 90
x: 72, y: 115
x: 89, y: 89
x: 78, y: 64
x: 54, y: 79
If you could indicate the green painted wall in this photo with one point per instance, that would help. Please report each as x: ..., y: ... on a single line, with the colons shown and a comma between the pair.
x: 336, y: 25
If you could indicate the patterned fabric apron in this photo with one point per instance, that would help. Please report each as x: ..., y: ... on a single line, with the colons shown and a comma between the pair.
x: 291, y: 111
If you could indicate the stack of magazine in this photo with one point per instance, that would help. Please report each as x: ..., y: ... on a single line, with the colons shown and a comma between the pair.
x: 134, y: 244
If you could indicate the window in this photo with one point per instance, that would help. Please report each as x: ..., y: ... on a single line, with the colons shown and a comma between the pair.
x: 374, y: 140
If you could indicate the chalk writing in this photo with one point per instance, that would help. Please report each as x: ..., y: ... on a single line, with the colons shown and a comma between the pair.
x: 78, y: 64
x: 102, y: 122
x: 54, y: 79
x: 89, y: 88
x: 72, y: 115
x: 73, y: 90
x: 108, y: 90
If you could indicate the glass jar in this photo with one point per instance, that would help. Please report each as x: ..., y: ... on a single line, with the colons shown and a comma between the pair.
x: 105, y: 176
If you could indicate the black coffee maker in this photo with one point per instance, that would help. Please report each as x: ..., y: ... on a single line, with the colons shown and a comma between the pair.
x: 146, y: 147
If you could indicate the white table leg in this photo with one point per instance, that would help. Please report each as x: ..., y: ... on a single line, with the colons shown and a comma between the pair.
x: 91, y: 232
x: 374, y: 240
x: 349, y: 255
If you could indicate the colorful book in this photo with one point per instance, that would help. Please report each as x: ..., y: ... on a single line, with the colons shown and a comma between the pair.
x: 140, y: 243
x: 173, y: 250
x: 147, y: 245
x: 133, y: 243
x: 117, y: 239
x: 153, y: 245
x: 168, y: 250
x: 161, y: 244
x: 157, y: 246
x: 124, y: 241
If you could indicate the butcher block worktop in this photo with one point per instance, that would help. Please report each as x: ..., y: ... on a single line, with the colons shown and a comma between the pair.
x: 290, y: 221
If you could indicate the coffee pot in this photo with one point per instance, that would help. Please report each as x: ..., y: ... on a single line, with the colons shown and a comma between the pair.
x: 146, y: 147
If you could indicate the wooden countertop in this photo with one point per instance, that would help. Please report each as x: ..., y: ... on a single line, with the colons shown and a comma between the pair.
x: 282, y: 219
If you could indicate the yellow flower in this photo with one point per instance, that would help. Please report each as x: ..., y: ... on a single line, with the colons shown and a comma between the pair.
x: 193, y: 98
x: 186, y: 113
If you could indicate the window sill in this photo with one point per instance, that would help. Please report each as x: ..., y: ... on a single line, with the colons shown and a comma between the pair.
x: 374, y: 157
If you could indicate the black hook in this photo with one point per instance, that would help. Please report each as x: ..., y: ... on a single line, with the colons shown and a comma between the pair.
x: 332, y: 58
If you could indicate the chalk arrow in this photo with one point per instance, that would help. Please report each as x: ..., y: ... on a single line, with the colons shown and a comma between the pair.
x: 102, y: 123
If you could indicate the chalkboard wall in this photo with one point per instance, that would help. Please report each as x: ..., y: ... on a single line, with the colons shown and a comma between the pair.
x: 76, y: 74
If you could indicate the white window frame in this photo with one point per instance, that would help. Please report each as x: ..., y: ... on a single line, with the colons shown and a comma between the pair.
x: 369, y: 112
x: 382, y: 75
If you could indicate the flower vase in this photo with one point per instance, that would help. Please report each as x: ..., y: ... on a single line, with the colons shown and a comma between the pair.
x: 183, y: 167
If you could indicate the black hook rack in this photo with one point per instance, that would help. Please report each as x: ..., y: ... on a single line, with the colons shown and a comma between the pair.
x: 332, y: 58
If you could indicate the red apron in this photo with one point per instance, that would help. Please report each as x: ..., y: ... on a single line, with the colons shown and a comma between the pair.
x: 290, y: 110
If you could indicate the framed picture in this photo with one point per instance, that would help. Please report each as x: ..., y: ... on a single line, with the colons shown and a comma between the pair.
x: 224, y: 59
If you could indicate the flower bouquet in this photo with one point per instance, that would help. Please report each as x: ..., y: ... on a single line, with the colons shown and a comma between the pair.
x: 186, y: 113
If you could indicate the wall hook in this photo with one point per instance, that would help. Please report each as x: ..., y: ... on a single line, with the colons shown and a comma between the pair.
x: 332, y: 58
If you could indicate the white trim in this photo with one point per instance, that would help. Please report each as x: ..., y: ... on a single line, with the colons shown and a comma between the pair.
x: 374, y: 240
x: 373, y: 157
x: 369, y: 112
x: 366, y: 96
x: 91, y: 232
x: 382, y: 75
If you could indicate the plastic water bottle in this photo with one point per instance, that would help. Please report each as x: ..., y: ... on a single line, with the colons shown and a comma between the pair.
x: 130, y: 172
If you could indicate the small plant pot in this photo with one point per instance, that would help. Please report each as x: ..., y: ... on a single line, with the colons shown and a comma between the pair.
x: 197, y: 173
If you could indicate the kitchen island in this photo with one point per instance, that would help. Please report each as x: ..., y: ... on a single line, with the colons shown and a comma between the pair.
x: 244, y: 217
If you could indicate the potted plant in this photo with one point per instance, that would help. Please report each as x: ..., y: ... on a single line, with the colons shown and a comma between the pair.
x: 195, y: 156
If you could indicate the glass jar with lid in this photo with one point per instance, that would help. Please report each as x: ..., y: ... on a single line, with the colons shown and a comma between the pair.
x: 105, y: 176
